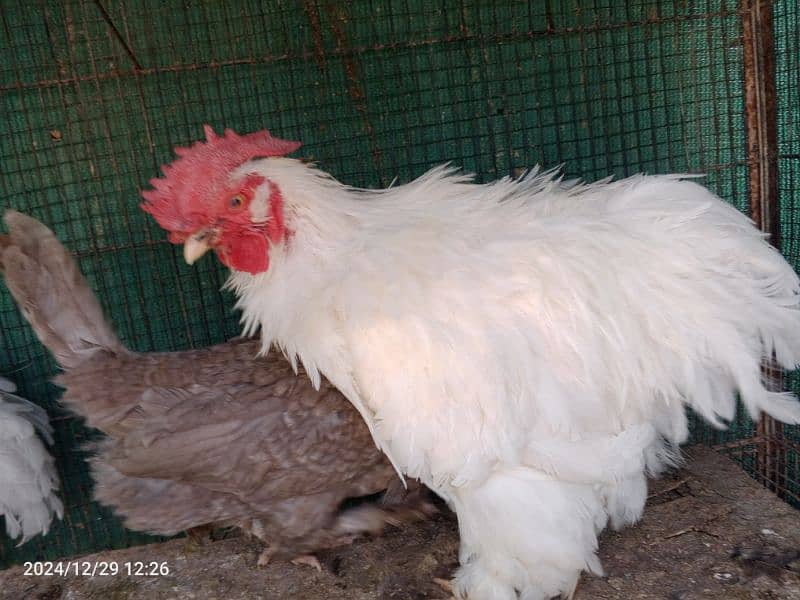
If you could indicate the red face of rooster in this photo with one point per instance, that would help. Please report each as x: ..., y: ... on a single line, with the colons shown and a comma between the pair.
x: 206, y: 201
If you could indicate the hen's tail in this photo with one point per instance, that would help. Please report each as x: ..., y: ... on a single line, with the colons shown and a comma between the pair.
x: 52, y: 293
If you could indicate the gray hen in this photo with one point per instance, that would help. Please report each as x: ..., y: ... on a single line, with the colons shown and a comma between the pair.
x: 204, y: 437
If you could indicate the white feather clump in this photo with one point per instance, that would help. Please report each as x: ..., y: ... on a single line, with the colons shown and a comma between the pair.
x: 28, y: 479
x: 7, y: 385
x: 527, y: 348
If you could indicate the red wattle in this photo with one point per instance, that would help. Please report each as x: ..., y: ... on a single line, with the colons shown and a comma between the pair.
x: 246, y: 253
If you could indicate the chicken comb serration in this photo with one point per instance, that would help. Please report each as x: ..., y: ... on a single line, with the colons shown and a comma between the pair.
x: 200, y: 171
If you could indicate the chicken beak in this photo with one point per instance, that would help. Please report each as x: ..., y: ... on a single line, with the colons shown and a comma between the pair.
x: 196, y: 246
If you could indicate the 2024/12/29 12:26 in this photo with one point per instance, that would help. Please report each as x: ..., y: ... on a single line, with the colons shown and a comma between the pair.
x: 95, y: 568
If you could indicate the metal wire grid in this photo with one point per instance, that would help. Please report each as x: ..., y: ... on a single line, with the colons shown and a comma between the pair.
x: 96, y: 95
x: 787, y: 80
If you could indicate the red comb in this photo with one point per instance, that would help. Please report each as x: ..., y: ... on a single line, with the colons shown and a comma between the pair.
x: 201, y: 171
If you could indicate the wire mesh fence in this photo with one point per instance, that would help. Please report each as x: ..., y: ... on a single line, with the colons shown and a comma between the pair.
x: 787, y: 83
x: 96, y: 93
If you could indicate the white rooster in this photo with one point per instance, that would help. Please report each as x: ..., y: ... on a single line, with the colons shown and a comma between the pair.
x: 28, y: 479
x: 525, y: 347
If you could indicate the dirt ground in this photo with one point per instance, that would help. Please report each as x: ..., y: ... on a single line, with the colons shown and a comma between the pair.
x: 709, y: 532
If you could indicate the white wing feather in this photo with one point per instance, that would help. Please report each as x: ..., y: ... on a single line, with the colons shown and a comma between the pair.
x: 28, y: 479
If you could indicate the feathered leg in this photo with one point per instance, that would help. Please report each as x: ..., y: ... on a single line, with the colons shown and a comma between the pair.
x: 523, y: 531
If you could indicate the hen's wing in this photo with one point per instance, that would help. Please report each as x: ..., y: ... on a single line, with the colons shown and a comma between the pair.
x: 219, y: 419
x: 163, y: 506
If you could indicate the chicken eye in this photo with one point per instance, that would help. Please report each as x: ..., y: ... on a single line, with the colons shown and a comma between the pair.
x: 236, y: 201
